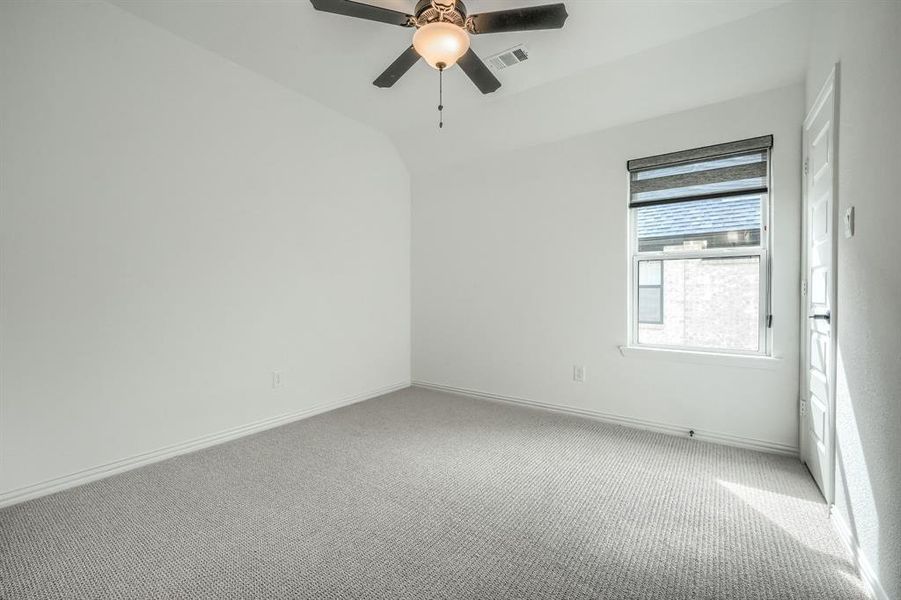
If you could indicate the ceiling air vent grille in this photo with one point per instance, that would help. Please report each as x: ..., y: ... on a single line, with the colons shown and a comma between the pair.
x: 508, y: 58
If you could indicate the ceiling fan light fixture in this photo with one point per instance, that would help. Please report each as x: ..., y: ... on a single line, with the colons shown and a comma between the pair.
x: 441, y: 43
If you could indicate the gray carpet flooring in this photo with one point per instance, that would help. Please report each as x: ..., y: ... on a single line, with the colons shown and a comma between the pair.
x: 419, y: 494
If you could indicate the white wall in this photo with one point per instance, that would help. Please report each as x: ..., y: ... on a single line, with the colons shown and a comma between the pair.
x: 175, y: 228
x: 865, y: 38
x: 520, y: 272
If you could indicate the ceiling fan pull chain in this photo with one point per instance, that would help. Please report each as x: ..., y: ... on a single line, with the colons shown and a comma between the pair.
x: 440, y: 95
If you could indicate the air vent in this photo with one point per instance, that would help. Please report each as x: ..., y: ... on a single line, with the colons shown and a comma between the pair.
x: 508, y: 58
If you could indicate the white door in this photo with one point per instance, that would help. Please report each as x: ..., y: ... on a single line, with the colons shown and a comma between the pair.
x: 818, y: 372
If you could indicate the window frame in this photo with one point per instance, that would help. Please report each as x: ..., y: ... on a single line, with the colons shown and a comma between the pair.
x: 763, y: 251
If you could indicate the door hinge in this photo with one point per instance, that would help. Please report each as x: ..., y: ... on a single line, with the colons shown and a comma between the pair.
x: 804, y: 288
x: 806, y: 165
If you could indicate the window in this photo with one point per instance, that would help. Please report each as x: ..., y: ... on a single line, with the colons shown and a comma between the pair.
x: 699, y: 222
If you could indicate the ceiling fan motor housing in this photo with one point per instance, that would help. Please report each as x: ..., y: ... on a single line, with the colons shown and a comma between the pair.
x: 429, y: 11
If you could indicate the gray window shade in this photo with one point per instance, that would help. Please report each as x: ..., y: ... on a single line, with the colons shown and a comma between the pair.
x: 732, y: 169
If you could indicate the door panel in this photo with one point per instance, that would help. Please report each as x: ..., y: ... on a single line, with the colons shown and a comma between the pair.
x: 818, y: 414
x: 819, y: 286
x: 820, y: 222
x: 818, y: 347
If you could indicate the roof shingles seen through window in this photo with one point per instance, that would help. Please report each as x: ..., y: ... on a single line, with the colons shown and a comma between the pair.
x: 699, y: 217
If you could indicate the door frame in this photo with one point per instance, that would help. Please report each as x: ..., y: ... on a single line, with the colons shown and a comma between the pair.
x: 830, y: 86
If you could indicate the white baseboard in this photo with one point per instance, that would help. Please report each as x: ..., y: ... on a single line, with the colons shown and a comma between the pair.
x: 99, y: 472
x: 668, y: 428
x: 867, y: 572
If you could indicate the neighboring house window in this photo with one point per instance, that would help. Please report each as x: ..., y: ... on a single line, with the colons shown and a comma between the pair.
x: 650, y: 292
x: 699, y: 240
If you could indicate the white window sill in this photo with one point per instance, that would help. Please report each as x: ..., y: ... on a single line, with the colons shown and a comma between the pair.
x: 747, y: 361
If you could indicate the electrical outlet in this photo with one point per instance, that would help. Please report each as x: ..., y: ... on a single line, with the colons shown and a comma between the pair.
x: 276, y: 379
x: 579, y: 373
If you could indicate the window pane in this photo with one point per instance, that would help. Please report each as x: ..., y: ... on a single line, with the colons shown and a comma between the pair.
x: 708, y: 303
x: 700, y: 224
x: 649, y: 272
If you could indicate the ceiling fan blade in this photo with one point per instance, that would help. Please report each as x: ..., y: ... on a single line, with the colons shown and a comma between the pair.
x: 349, y: 8
x: 547, y: 16
x: 473, y: 66
x: 397, y: 69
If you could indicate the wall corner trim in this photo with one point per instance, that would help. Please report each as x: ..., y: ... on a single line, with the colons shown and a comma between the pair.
x: 58, y: 484
x: 867, y: 572
x: 667, y: 428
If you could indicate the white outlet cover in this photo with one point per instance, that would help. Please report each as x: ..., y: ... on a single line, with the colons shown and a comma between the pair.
x: 579, y: 373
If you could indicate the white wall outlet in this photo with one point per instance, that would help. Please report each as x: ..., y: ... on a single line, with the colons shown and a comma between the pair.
x: 579, y: 373
x: 276, y: 379
x: 849, y: 221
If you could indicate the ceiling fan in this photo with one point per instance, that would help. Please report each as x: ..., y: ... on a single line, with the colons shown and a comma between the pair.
x: 442, y: 33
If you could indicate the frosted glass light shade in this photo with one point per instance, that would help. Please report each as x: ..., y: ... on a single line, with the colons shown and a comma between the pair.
x: 441, y: 42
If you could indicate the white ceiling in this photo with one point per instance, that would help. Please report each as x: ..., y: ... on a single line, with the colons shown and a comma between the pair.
x: 614, y: 62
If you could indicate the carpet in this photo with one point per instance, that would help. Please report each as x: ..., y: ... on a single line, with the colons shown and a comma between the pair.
x: 421, y: 494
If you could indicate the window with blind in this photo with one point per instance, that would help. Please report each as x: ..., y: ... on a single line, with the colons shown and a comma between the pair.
x: 699, y: 238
